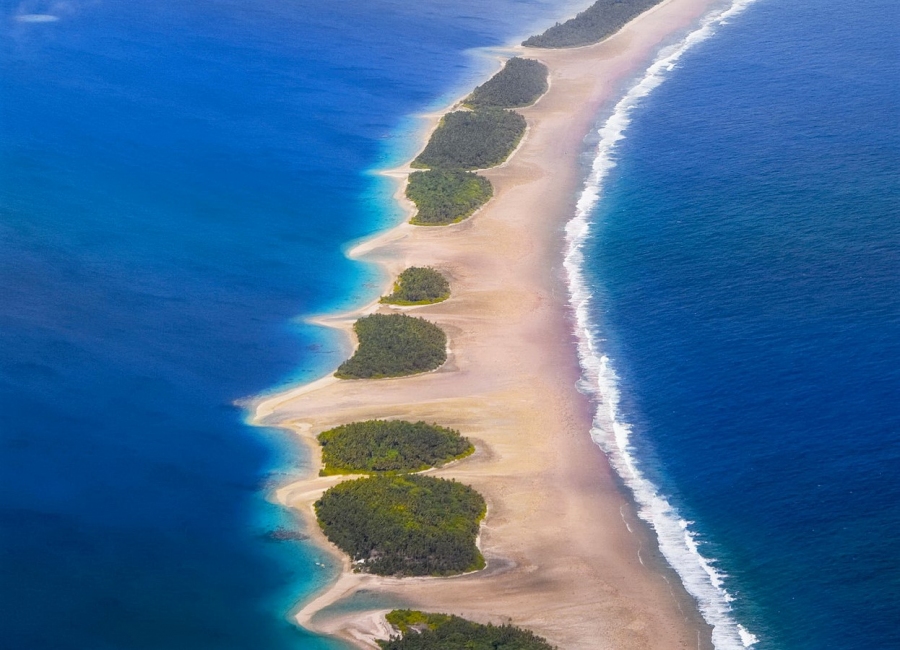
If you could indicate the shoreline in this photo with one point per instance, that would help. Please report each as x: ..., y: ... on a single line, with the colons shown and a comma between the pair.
x: 565, y: 548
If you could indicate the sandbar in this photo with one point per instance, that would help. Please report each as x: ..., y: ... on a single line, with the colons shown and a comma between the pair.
x: 567, y: 556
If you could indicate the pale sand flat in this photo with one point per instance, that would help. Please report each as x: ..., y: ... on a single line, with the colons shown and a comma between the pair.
x: 561, y: 559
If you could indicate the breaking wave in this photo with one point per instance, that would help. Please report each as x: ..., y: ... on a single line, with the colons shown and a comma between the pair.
x: 677, y: 541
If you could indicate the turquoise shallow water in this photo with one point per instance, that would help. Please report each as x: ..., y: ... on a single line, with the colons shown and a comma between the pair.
x: 177, y: 181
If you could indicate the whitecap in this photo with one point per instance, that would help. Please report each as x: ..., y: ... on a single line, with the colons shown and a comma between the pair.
x: 746, y: 638
x: 677, y: 541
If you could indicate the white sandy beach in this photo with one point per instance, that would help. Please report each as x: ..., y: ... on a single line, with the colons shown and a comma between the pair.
x: 567, y: 556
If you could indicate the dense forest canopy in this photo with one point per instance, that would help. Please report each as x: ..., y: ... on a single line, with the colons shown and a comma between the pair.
x: 595, y: 23
x: 390, y: 446
x: 418, y: 285
x: 476, y: 139
x: 520, y: 83
x: 472, y: 140
x: 445, y: 196
x: 421, y: 631
x: 409, y: 525
x: 394, y: 345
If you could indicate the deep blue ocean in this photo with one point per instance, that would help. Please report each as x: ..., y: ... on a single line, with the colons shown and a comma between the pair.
x: 744, y: 261
x: 179, y: 180
x: 177, y: 183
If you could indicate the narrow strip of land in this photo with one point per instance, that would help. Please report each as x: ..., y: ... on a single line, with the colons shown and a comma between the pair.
x: 566, y: 556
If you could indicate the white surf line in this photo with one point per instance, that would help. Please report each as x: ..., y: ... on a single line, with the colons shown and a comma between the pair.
x: 677, y: 541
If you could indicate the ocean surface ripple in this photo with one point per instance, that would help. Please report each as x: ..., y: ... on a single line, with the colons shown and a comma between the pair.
x: 676, y: 540
x: 734, y: 279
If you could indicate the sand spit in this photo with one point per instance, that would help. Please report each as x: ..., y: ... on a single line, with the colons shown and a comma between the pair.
x: 567, y: 556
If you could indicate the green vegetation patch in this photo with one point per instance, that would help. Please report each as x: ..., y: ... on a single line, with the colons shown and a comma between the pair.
x: 394, y: 345
x: 519, y: 83
x: 419, y: 285
x: 409, y: 525
x: 421, y: 631
x: 390, y: 446
x: 445, y: 196
x: 601, y: 19
x: 472, y: 139
x: 407, y: 620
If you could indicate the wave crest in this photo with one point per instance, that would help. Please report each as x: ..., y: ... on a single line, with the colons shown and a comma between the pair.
x: 677, y: 542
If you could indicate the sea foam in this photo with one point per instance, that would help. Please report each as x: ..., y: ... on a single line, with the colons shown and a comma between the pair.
x: 677, y: 541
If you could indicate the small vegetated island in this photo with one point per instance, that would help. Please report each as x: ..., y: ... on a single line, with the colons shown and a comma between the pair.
x: 394, y: 345
x: 445, y: 196
x: 408, y: 525
x: 376, y: 446
x: 418, y: 285
x: 520, y: 83
x: 472, y: 139
x: 483, y: 137
x: 421, y: 631
x: 592, y: 25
